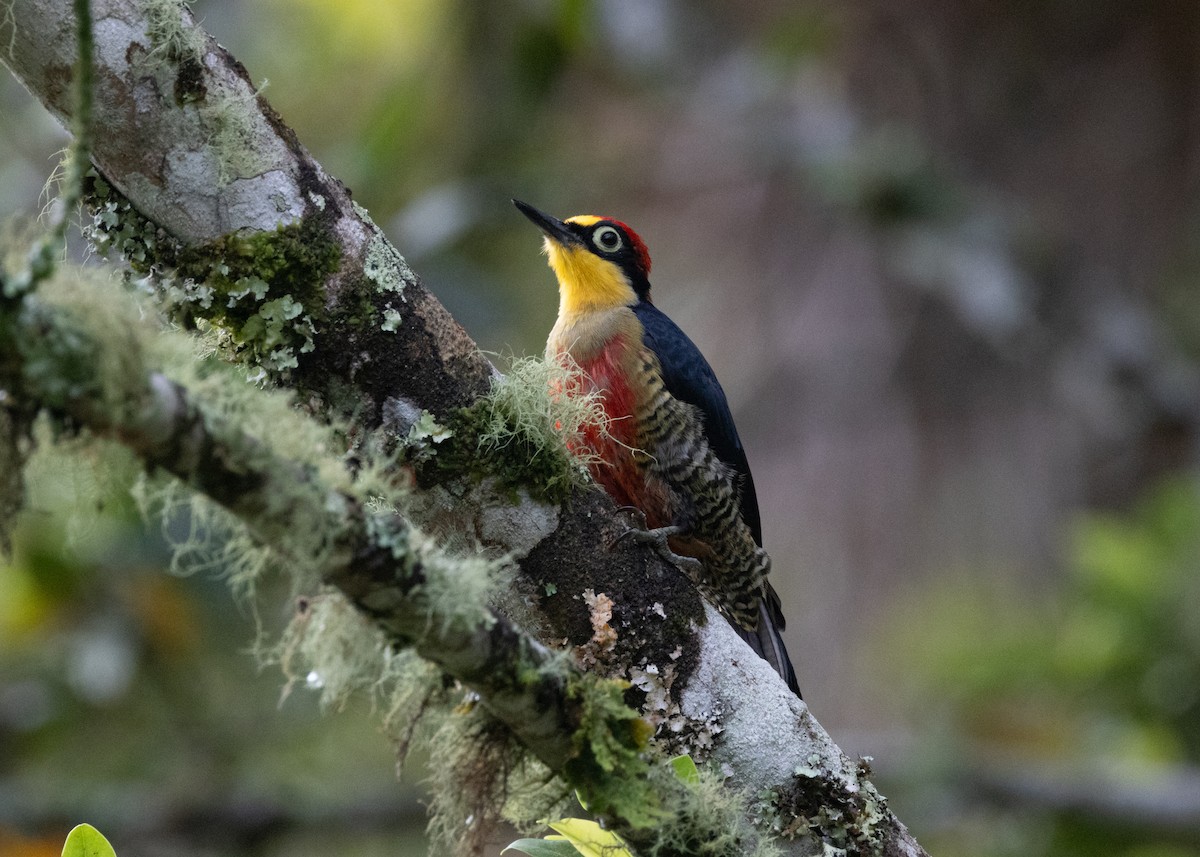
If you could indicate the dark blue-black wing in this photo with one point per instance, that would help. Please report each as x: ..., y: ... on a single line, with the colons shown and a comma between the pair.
x: 690, y: 379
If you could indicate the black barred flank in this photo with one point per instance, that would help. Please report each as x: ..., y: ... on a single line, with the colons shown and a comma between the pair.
x: 706, y: 492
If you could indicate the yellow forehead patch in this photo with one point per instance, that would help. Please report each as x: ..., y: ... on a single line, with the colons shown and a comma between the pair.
x: 584, y: 219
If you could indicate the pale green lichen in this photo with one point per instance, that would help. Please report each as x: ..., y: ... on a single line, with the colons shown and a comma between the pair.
x: 329, y: 644
x: 262, y: 291
x: 79, y: 314
x: 427, y: 429
x: 202, y: 537
x: 387, y: 271
x: 117, y: 227
x: 234, y: 123
x: 543, y: 401
x: 169, y: 38
x: 526, y: 434
x: 52, y: 190
x: 457, y: 587
x: 480, y: 776
x: 75, y: 360
x: 227, y: 113
x: 72, y: 359
x: 708, y: 819
x: 850, y: 819
x: 330, y: 648
x: 383, y: 265
x: 675, y: 731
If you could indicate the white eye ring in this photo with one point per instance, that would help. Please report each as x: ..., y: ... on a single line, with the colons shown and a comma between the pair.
x: 607, y: 239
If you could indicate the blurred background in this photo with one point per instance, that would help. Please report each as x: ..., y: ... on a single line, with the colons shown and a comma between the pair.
x: 943, y: 258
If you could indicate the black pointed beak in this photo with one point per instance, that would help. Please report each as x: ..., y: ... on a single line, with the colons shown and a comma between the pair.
x: 554, y: 228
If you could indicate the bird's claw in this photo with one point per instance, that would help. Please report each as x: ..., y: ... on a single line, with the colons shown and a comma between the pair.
x: 658, y: 538
x: 636, y: 519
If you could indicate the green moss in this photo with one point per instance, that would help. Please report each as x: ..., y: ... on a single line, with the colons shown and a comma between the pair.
x: 521, y: 435
x: 266, y: 288
x: 515, y: 464
x: 613, y: 775
x: 263, y: 290
x: 609, y: 769
x: 617, y: 773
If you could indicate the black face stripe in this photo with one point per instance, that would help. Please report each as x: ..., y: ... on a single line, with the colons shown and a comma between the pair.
x: 588, y: 235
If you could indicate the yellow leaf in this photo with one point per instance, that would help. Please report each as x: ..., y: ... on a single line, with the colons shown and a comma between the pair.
x: 590, y: 839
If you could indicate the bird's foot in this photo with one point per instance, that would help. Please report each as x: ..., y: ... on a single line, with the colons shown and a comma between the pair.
x: 658, y: 538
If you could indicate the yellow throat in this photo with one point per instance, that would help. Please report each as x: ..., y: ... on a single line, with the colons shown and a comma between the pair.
x: 586, y: 283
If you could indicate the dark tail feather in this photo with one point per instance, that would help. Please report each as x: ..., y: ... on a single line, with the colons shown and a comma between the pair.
x: 767, y: 641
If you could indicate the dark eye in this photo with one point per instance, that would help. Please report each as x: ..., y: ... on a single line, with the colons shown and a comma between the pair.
x: 607, y: 239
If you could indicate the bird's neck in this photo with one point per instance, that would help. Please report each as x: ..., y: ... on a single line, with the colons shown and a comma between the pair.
x: 586, y: 335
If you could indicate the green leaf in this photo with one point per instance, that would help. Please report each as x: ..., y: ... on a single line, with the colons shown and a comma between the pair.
x: 686, y: 769
x: 556, y: 847
x: 590, y: 838
x: 87, y: 841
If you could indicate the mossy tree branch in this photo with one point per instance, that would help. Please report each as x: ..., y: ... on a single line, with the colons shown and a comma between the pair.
x: 208, y: 182
x: 565, y: 717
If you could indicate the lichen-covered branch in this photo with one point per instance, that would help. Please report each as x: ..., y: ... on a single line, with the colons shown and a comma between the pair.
x: 575, y: 723
x: 215, y: 171
x: 202, y: 185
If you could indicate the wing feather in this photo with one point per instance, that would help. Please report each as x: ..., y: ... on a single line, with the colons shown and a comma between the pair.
x: 689, y: 378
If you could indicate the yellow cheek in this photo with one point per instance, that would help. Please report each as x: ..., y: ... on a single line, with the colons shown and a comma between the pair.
x: 586, y: 282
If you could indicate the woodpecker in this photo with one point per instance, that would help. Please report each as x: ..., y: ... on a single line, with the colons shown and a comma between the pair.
x: 670, y: 449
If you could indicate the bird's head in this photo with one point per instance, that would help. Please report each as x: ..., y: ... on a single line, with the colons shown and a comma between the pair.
x: 600, y: 263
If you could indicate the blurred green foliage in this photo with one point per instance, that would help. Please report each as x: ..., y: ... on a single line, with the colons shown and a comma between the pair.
x: 130, y: 696
x: 1132, y: 637
x: 1064, y: 702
